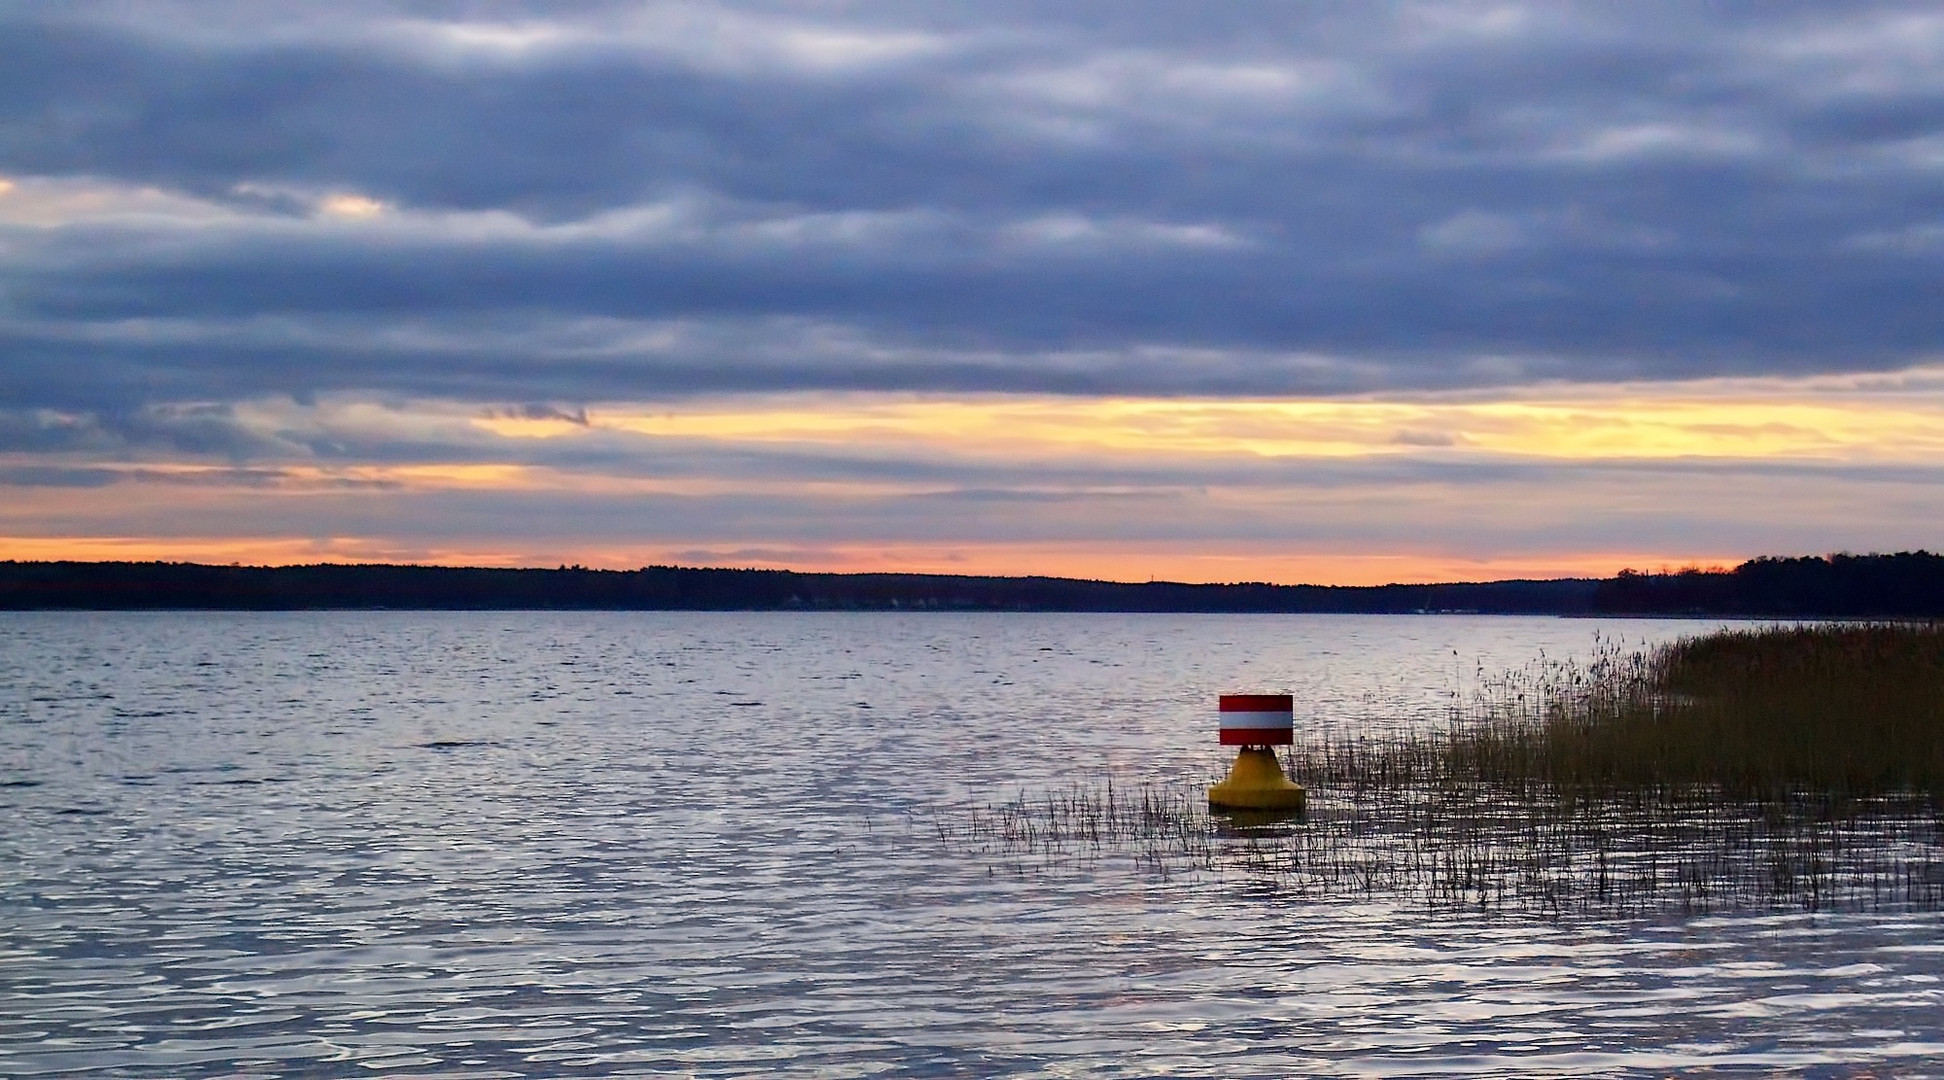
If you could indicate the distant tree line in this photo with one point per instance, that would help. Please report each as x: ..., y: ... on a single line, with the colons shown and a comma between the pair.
x: 1900, y: 585
x: 131, y: 585
x: 1906, y: 584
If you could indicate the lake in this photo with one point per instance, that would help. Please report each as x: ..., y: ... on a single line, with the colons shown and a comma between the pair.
x: 706, y: 844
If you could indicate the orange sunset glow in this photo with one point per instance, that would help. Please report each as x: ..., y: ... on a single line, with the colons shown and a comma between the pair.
x: 1123, y: 489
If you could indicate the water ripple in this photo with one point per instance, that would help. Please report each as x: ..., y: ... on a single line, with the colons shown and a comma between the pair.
x: 509, y: 845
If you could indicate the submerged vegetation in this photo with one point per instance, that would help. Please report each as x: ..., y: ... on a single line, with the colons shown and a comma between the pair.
x: 1793, y: 767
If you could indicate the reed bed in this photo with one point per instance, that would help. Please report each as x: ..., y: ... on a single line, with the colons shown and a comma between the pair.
x: 1772, y: 714
x: 1778, y: 768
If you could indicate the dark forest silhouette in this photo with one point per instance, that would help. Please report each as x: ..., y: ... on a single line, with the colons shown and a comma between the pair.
x: 1903, y: 585
x: 1900, y: 585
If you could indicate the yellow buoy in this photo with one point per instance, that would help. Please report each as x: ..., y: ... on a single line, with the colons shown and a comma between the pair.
x: 1256, y: 782
x: 1257, y: 723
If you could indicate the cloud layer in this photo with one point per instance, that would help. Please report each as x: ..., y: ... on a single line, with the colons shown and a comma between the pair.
x: 215, y: 213
x: 626, y: 202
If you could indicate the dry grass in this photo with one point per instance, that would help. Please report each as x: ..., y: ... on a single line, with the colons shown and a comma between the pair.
x: 1776, y: 714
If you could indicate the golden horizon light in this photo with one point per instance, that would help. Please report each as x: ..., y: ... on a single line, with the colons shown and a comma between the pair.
x: 1127, y: 489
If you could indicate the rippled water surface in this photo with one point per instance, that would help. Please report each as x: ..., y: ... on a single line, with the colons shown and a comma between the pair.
x: 672, y: 844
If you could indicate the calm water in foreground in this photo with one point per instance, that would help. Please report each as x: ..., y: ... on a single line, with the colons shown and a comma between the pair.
x: 670, y: 844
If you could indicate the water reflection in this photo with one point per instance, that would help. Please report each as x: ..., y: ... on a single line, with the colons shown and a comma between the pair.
x: 1263, y: 824
x: 536, y: 845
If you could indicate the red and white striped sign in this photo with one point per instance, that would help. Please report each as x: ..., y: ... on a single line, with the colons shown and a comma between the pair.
x: 1258, y: 719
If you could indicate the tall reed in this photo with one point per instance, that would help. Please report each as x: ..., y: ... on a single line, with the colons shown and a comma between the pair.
x: 1829, y: 711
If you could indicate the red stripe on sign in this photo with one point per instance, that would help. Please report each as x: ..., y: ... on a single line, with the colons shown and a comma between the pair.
x: 1257, y: 737
x: 1258, y: 702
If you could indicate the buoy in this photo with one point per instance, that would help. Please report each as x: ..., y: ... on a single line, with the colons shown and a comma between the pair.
x: 1257, y: 723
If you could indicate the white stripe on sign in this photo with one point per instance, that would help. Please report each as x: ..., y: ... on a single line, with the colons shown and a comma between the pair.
x: 1258, y: 719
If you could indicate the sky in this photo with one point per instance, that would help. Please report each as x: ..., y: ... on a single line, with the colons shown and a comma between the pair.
x: 1298, y: 292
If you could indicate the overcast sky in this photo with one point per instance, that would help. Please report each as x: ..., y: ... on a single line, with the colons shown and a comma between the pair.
x: 1345, y: 292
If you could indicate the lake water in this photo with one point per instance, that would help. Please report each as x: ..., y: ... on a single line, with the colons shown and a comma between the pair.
x: 678, y: 844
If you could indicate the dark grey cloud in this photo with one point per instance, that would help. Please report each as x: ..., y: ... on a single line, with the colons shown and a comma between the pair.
x: 600, y: 201
x: 541, y: 411
x: 54, y: 476
x: 205, y: 431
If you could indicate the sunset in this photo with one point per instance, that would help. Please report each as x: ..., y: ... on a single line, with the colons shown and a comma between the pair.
x: 1554, y: 480
x: 940, y: 539
x: 1338, y: 295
